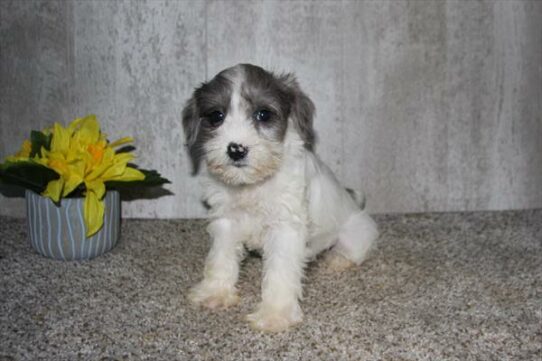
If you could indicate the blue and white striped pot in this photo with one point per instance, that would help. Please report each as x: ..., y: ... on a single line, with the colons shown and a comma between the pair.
x: 59, y: 232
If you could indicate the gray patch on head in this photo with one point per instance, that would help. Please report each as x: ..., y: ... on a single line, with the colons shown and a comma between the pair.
x: 302, y: 111
x: 215, y: 94
x: 211, y: 96
x: 262, y: 90
x: 191, y: 127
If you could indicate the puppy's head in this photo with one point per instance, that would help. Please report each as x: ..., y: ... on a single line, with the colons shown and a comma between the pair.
x: 236, y: 123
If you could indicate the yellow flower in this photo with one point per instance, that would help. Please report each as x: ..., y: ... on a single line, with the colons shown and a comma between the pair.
x: 80, y: 154
x: 22, y: 154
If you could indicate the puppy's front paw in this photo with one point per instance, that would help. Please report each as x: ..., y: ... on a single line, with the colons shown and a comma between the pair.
x: 271, y: 319
x: 213, y: 297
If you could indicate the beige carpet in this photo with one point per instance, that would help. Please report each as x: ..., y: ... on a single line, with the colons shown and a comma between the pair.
x: 461, y: 286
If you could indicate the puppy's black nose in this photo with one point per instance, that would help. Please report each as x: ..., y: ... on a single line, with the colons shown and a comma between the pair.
x: 237, y: 151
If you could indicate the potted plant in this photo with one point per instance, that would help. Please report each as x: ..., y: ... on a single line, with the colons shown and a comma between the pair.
x: 72, y: 176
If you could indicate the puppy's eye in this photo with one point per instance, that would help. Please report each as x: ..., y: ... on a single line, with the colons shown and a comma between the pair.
x: 262, y: 115
x: 215, y: 118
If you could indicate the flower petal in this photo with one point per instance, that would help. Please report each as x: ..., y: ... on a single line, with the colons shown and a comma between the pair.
x: 23, y: 153
x: 121, y: 141
x: 88, y: 131
x: 130, y: 174
x: 72, y: 182
x: 54, y: 189
x: 93, y: 213
x: 61, y: 139
x: 97, y: 186
x: 114, y: 171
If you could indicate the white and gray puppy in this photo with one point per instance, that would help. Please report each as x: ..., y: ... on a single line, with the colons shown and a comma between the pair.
x: 267, y: 190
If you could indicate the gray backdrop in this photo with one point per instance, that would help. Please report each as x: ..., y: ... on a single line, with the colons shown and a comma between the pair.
x: 427, y: 105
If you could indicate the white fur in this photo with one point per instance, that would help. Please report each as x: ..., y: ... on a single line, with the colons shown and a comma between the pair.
x: 288, y: 204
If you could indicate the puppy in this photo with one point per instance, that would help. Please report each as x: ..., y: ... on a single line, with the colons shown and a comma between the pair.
x: 267, y: 190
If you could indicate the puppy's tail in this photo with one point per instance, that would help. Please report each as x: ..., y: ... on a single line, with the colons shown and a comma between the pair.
x: 359, y: 197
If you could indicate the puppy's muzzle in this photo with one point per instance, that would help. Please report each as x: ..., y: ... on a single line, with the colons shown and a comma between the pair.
x: 237, y: 152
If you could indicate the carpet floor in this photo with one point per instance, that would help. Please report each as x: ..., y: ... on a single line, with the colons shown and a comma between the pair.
x: 440, y: 286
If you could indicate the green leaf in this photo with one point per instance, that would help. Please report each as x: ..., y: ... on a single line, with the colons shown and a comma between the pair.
x: 34, y: 176
x: 38, y: 140
x: 27, y: 174
x: 152, y: 179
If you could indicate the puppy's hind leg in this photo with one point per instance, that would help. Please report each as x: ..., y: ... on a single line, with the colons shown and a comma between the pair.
x: 356, y: 238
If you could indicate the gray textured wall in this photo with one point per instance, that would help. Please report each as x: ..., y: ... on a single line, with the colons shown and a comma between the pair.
x: 427, y: 105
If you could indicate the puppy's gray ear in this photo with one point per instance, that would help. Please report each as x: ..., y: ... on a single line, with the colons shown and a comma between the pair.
x: 191, y: 127
x: 302, y: 111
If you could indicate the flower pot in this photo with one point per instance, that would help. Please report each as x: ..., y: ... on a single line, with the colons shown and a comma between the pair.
x: 59, y: 231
